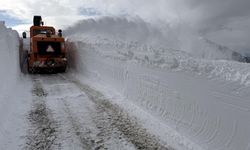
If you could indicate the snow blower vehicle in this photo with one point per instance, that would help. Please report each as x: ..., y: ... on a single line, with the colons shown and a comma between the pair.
x: 44, y: 51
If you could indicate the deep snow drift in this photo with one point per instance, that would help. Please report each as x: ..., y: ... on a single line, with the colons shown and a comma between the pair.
x: 9, y: 57
x: 204, y: 100
x: 14, y: 91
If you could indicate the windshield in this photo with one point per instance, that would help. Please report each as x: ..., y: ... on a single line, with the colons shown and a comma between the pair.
x: 38, y: 31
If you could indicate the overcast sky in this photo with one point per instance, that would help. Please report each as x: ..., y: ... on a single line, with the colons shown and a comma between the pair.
x: 226, y: 21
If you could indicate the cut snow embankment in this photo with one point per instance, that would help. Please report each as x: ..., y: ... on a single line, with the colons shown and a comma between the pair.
x: 9, y: 56
x: 14, y: 91
x: 206, y: 101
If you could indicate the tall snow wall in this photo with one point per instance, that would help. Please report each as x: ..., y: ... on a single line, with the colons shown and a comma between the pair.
x: 9, y: 70
x: 9, y: 61
x: 205, y: 101
x: 15, y: 92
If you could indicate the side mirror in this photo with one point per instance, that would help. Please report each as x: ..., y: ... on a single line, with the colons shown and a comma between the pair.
x: 24, y: 35
x: 60, y: 32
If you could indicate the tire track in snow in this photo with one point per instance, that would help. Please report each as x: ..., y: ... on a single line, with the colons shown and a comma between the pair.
x: 43, y: 132
x: 107, y: 125
x: 88, y: 124
x: 108, y: 136
x: 70, y: 108
x: 120, y: 120
x: 85, y: 139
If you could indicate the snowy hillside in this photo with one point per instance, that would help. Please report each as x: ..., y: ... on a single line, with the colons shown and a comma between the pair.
x: 204, y: 100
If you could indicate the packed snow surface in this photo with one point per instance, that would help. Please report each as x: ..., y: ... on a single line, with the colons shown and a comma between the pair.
x: 204, y: 100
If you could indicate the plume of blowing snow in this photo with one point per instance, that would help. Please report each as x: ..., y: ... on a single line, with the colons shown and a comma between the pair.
x: 143, y: 33
x: 224, y: 22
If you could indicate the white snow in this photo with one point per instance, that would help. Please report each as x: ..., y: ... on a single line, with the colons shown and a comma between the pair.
x: 137, y: 32
x: 204, y: 100
x: 14, y: 92
x: 189, y: 102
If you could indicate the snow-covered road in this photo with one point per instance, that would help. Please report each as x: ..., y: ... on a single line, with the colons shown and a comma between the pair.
x: 67, y: 114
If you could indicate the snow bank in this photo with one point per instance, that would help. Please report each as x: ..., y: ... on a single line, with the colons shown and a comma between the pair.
x: 14, y: 91
x: 206, y: 101
x: 9, y: 41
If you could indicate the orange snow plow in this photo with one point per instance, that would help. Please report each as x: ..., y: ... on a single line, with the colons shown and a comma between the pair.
x: 46, y: 52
